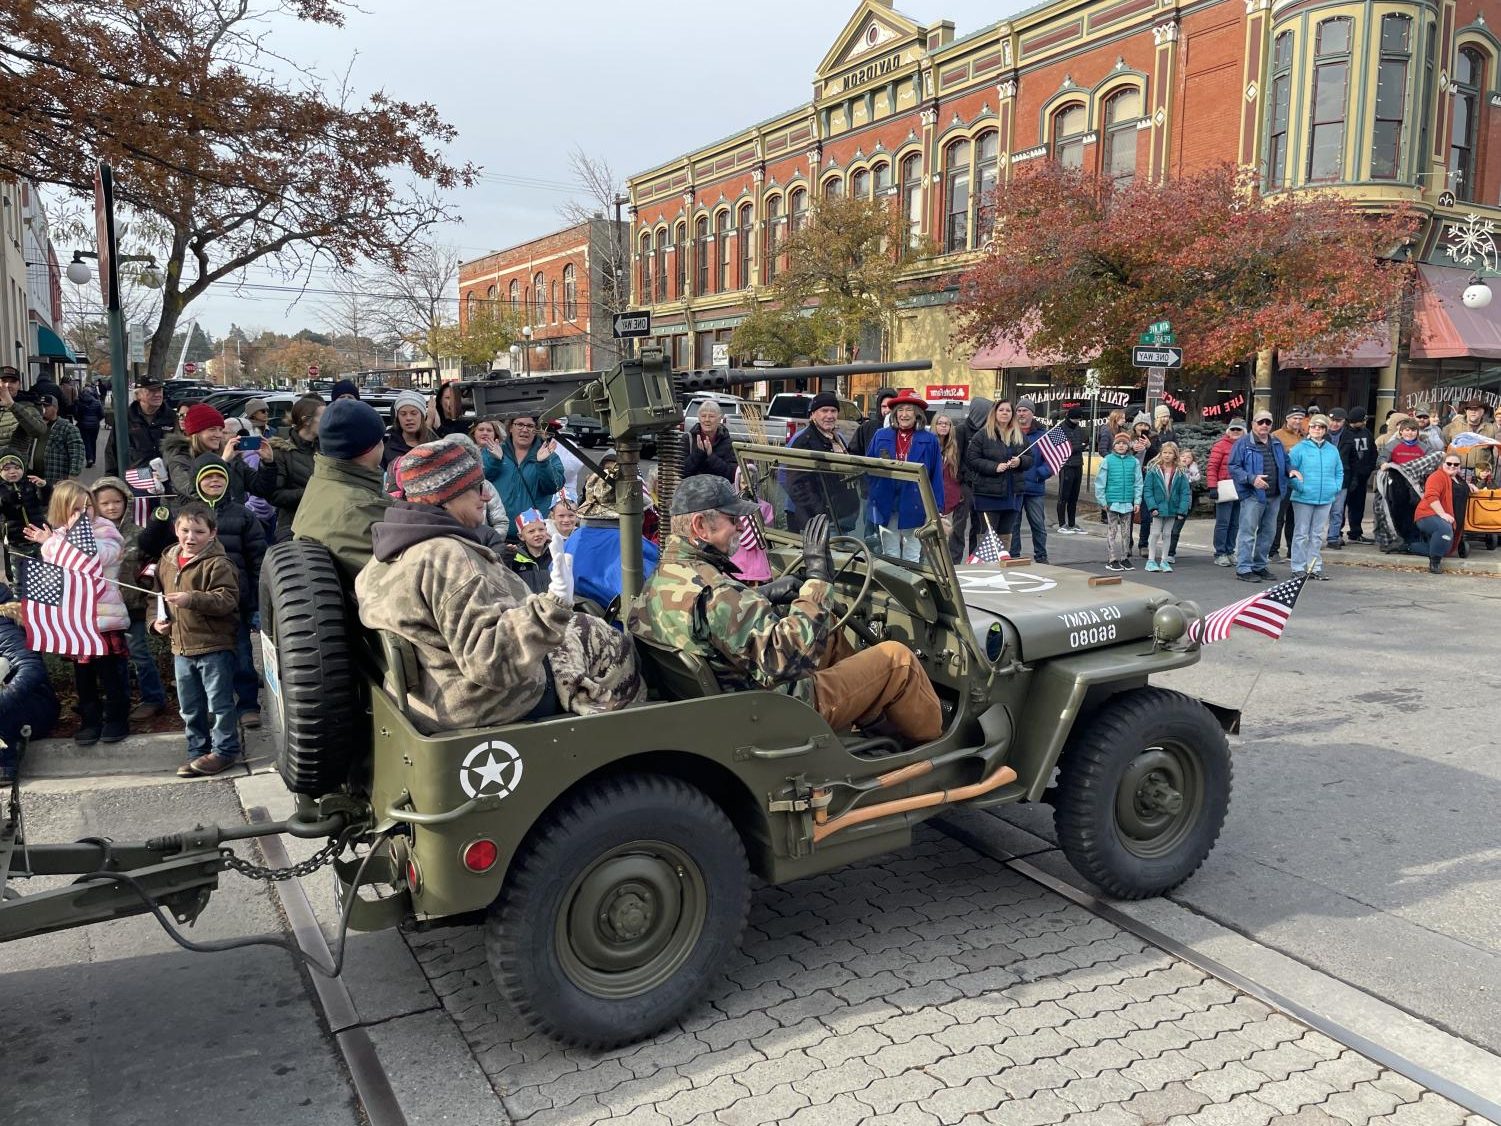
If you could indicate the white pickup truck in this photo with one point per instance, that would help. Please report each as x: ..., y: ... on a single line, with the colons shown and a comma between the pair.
x: 773, y: 423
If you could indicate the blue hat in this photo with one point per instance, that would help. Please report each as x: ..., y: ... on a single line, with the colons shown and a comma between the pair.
x: 348, y: 429
x: 344, y: 387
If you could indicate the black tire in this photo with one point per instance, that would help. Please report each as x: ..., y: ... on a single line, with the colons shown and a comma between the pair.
x: 304, y: 613
x: 1114, y: 805
x: 640, y: 844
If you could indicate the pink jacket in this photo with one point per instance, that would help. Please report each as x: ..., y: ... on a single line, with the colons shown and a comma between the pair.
x: 109, y: 612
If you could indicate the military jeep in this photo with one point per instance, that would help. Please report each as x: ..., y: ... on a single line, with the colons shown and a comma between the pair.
x: 609, y: 857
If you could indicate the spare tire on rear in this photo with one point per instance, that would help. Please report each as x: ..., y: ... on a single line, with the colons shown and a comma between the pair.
x: 309, y: 651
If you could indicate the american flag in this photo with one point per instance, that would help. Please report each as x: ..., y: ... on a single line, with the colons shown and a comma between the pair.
x: 1266, y: 611
x: 988, y: 547
x: 1055, y: 448
x: 60, y: 598
x: 142, y: 481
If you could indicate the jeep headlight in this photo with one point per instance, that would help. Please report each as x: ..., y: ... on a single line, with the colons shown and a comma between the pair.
x: 1169, y: 623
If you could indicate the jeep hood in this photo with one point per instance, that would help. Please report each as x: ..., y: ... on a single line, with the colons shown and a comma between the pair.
x: 1055, y: 610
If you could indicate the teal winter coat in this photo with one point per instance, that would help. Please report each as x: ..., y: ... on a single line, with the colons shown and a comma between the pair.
x: 1166, y: 498
x: 1118, y: 483
x: 1322, y: 468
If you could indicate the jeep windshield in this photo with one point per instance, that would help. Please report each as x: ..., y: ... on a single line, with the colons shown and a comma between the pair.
x: 858, y: 495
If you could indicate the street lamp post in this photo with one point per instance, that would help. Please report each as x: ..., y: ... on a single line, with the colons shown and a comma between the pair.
x: 119, y: 391
x: 526, y: 331
x: 1473, y: 244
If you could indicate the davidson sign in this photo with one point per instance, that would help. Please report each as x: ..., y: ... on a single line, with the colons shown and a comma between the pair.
x: 872, y: 70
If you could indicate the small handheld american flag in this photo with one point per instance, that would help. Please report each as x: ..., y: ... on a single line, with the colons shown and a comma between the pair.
x: 1266, y: 611
x: 60, y: 599
x: 146, y: 486
x: 1055, y: 448
x: 988, y: 547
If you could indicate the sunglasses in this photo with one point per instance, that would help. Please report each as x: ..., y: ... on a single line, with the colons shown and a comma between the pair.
x: 1451, y: 465
x: 1262, y: 422
x: 1421, y: 416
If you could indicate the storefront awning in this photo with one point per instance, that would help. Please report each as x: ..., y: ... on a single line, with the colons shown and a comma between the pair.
x: 1373, y: 351
x: 1446, y: 330
x: 50, y: 346
x: 1005, y: 354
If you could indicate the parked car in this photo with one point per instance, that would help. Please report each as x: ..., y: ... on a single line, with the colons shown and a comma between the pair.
x: 745, y: 419
x: 787, y: 413
x: 583, y: 429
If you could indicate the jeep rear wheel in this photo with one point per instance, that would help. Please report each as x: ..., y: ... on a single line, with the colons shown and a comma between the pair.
x: 1142, y: 793
x: 618, y: 913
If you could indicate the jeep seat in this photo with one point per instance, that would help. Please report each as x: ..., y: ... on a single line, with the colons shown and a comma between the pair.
x: 673, y: 674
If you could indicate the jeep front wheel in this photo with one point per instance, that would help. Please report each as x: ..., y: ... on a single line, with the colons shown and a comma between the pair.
x: 1142, y: 792
x: 619, y: 912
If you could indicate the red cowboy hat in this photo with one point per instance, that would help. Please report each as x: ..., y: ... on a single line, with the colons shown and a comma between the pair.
x: 906, y: 397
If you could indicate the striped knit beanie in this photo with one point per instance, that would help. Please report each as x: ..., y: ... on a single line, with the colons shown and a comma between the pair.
x: 437, y: 472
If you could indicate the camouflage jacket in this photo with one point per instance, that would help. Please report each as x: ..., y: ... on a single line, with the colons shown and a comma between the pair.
x: 693, y: 605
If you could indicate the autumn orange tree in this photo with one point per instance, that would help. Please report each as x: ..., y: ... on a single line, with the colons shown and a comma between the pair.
x: 220, y: 155
x: 1078, y: 268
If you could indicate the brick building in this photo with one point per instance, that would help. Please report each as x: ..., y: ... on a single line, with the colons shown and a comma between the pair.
x: 561, y: 287
x: 1393, y: 101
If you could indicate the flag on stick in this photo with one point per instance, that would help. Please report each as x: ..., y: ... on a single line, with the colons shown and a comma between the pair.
x: 58, y: 609
x: 1266, y: 611
x: 988, y: 547
x: 1055, y: 448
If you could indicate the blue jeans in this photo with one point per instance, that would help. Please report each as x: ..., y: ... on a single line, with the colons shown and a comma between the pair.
x: 1226, y: 524
x: 1036, y: 509
x: 1310, y: 521
x: 1258, y: 520
x: 144, y: 664
x: 206, y: 699
x: 1440, y: 535
x: 1337, y: 516
x: 247, y: 680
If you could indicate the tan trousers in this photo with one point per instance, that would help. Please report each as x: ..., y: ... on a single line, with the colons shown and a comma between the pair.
x: 883, y: 680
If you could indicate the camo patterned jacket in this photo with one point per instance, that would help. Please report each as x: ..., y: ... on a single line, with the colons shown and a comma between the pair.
x: 693, y: 605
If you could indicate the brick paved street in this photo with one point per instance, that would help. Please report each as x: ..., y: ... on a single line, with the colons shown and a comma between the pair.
x: 935, y: 986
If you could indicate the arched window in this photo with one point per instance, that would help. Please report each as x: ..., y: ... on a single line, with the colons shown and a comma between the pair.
x: 956, y: 196
x: 1331, y: 88
x: 912, y: 197
x: 833, y: 188
x: 469, y: 299
x: 747, y: 242
x: 539, y: 298
x: 987, y: 168
x: 1469, y: 72
x: 570, y: 293
x: 514, y: 295
x: 776, y: 229
x: 1069, y: 124
x: 661, y: 264
x: 722, y: 251
x: 646, y: 271
x: 883, y: 178
x: 860, y: 184
x: 797, y: 208
x: 1279, y: 107
x: 702, y: 249
x: 680, y: 260
x: 1122, y: 111
x: 552, y: 305
x: 490, y: 294
x: 1391, y: 97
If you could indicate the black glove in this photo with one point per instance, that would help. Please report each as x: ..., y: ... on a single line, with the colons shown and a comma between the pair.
x: 817, y: 562
x: 783, y: 591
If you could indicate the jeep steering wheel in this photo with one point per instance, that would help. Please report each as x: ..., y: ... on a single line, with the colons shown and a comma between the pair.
x: 858, y: 549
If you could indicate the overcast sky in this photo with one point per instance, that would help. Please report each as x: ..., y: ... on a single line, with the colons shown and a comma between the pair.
x: 632, y: 84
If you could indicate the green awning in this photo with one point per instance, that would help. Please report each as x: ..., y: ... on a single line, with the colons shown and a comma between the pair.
x: 50, y: 346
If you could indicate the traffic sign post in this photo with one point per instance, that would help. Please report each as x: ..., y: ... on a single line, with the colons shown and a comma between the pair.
x: 1156, y: 380
x: 1156, y: 357
x: 313, y: 370
x: 190, y: 368
x: 632, y: 324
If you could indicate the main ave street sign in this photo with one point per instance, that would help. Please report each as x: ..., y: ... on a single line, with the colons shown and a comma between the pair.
x: 1157, y: 357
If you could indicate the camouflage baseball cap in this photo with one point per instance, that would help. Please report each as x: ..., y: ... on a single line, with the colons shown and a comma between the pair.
x: 705, y: 491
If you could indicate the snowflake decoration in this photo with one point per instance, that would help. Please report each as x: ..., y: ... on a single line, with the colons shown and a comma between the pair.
x: 1473, y: 241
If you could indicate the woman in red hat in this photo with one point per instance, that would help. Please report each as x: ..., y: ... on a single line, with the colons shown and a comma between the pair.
x: 203, y: 432
x: 896, y: 507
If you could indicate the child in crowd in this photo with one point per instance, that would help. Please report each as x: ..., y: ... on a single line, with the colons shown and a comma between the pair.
x: 1188, y: 463
x: 1117, y: 489
x: 533, y: 558
x: 564, y: 518
x: 240, y: 535
x: 112, y: 501
x: 201, y: 596
x: 1166, y: 495
x: 23, y: 502
x: 103, y: 683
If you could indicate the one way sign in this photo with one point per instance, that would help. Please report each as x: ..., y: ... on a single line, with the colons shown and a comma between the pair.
x: 1157, y: 357
x: 629, y: 324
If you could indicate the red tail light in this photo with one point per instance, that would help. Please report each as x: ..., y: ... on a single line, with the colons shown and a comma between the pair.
x: 481, y: 855
x: 414, y: 875
x: 791, y: 430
